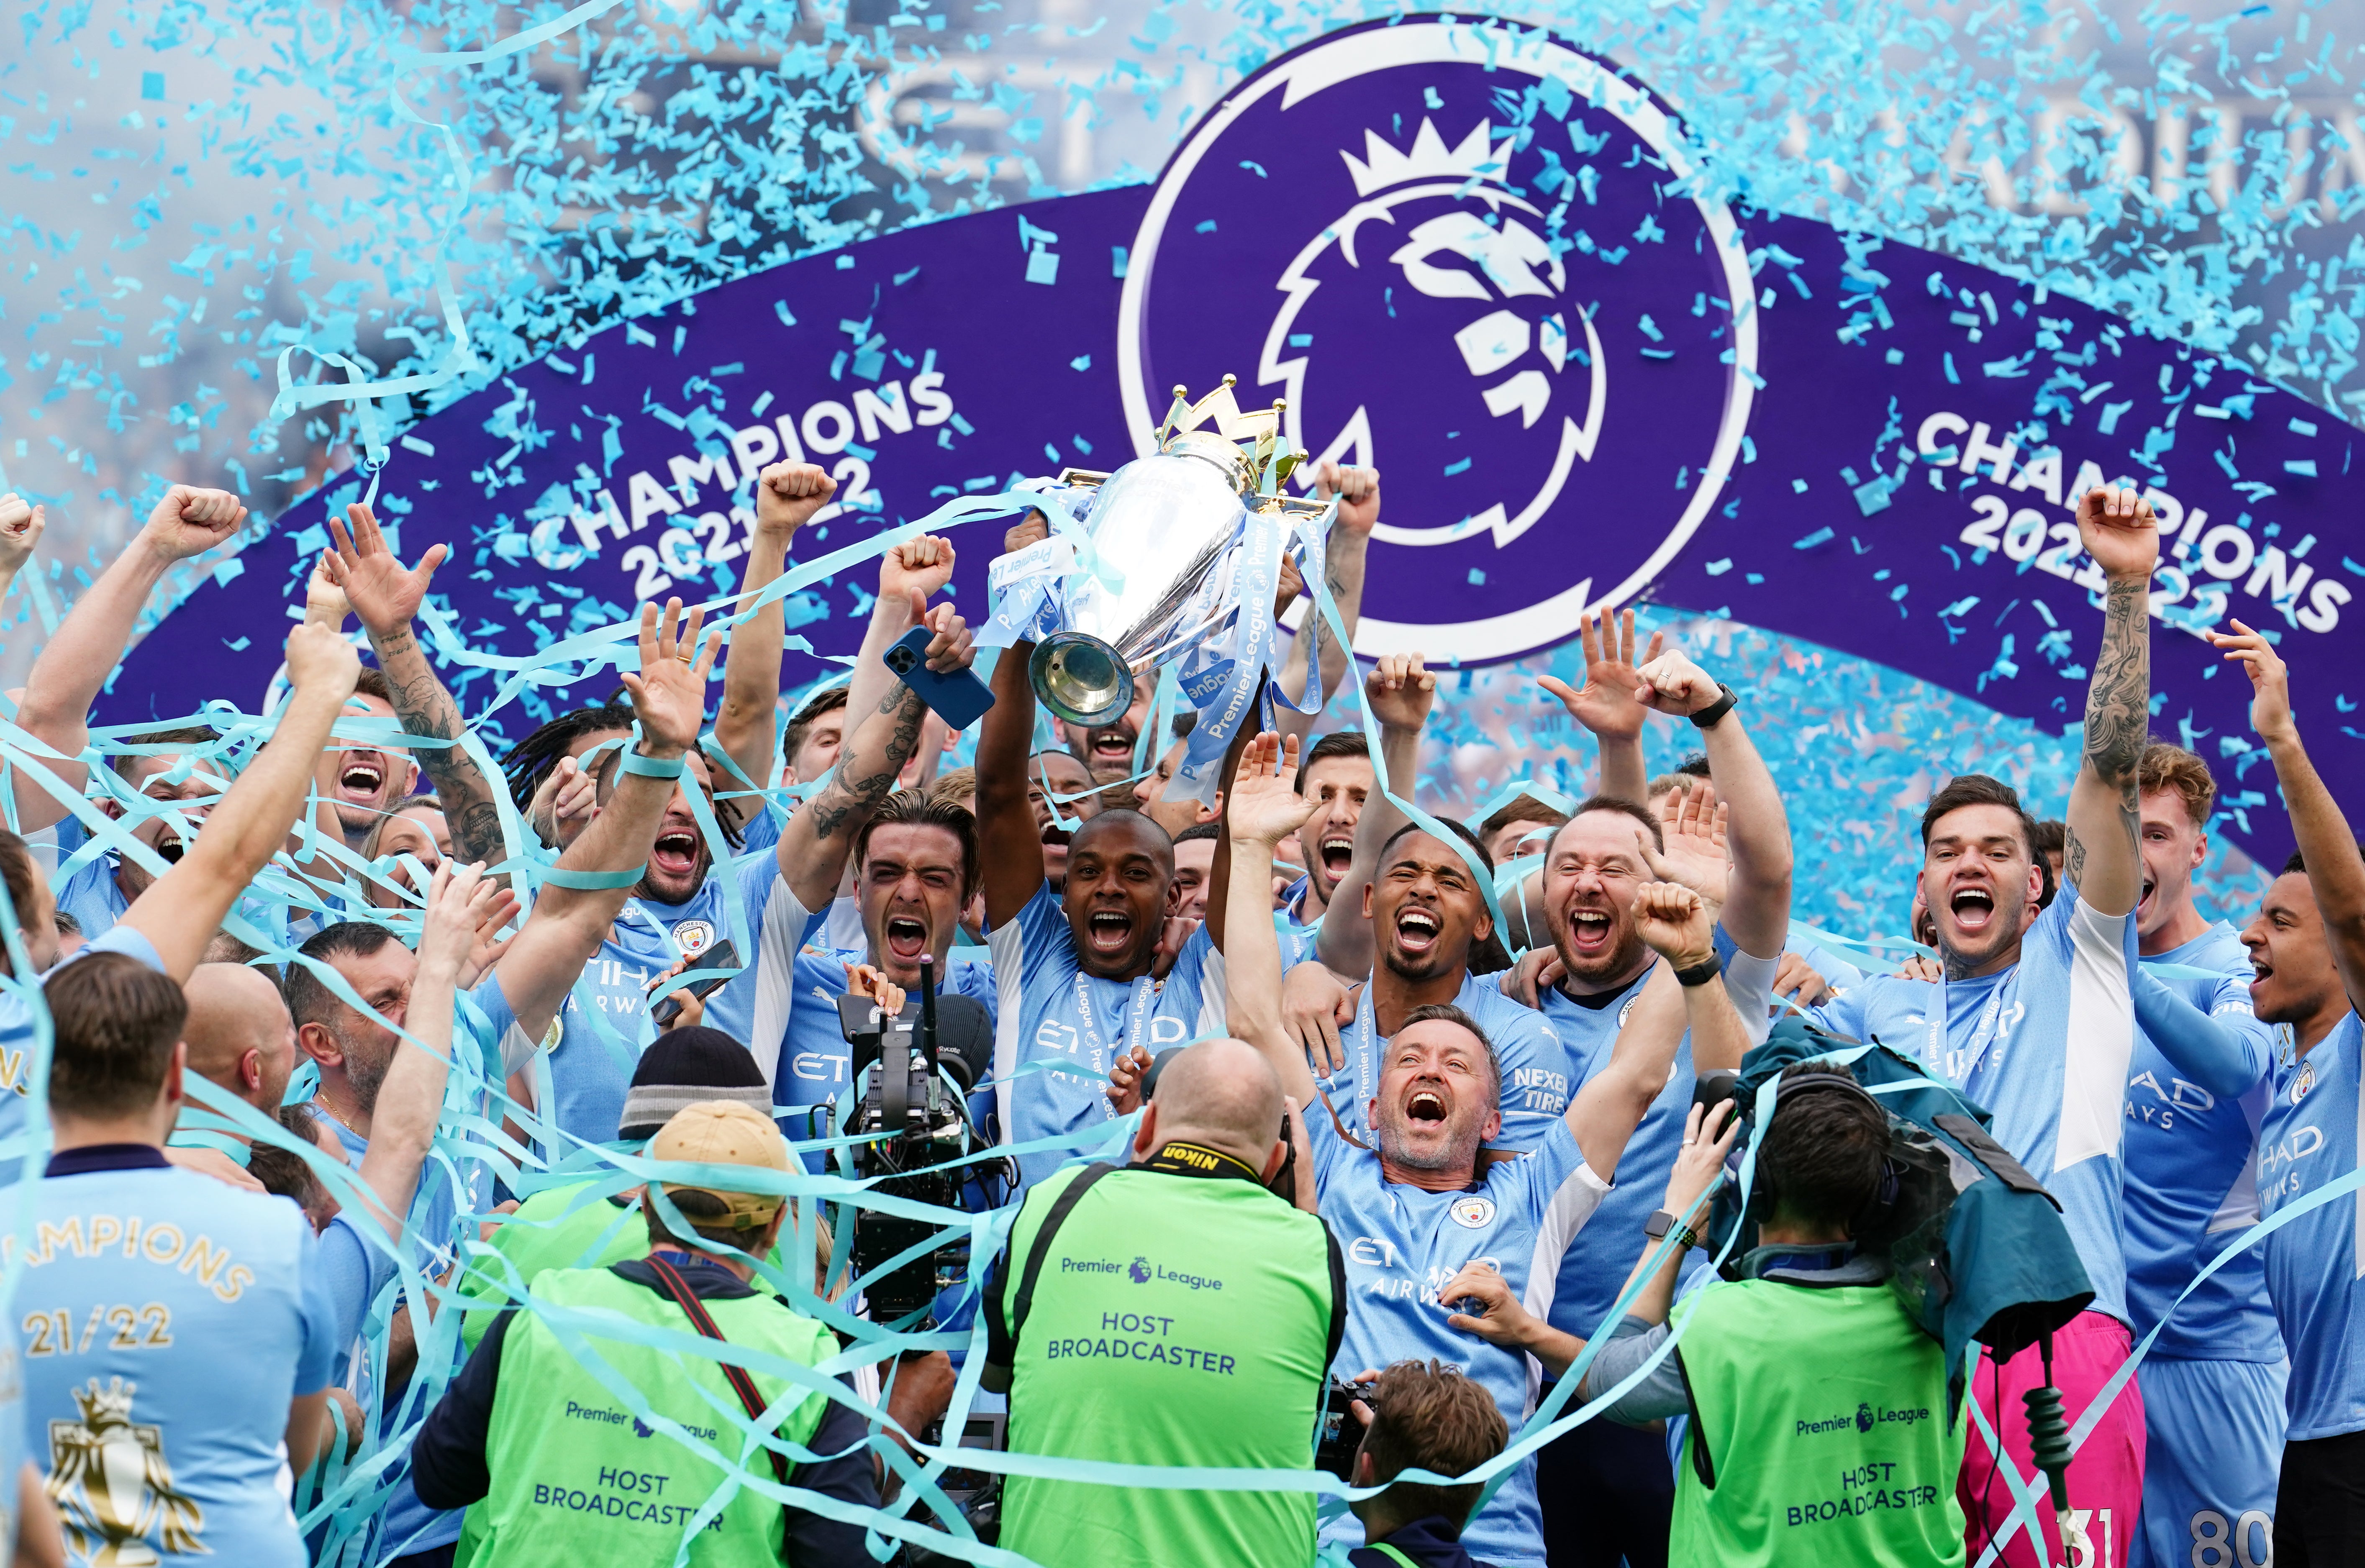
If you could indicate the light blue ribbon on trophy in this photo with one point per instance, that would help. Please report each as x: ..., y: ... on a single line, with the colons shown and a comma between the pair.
x: 1224, y: 678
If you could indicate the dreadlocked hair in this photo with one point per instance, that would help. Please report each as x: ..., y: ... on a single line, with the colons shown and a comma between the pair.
x: 531, y: 760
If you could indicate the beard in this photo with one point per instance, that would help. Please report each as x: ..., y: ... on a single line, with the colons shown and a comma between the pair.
x: 365, y: 1073
x: 1457, y: 1152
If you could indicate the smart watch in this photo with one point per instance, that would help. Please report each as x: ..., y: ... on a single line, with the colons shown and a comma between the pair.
x: 1700, y: 973
x: 1706, y: 717
x: 1662, y: 1224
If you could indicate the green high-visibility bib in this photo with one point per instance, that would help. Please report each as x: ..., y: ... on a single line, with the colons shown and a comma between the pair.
x: 1823, y: 1417
x: 577, y: 1478
x: 1175, y: 1320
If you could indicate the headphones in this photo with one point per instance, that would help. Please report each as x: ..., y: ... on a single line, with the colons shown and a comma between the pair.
x: 1762, y: 1196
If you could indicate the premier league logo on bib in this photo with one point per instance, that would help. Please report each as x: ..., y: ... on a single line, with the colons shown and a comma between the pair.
x: 1408, y: 230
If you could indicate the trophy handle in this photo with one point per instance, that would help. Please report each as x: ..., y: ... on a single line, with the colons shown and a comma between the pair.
x: 1083, y: 479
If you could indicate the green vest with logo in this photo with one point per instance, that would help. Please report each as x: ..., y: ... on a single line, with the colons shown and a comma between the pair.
x: 1175, y: 1320
x: 575, y: 1481
x: 1823, y: 1413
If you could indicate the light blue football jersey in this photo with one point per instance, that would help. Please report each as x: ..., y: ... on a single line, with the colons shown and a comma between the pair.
x: 1538, y: 1069
x: 2191, y: 1183
x: 2045, y: 1046
x: 1298, y: 935
x: 1594, y: 1267
x: 1593, y: 1270
x: 1057, y: 1029
x: 167, y: 1322
x: 89, y: 893
x: 1401, y: 1244
x: 604, y: 1022
x: 2315, y: 1265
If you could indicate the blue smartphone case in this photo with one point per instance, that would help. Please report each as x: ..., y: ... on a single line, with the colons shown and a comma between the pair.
x: 959, y: 699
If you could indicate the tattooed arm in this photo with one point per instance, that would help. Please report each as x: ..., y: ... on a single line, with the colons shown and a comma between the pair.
x: 2103, y: 861
x: 819, y: 839
x: 386, y: 598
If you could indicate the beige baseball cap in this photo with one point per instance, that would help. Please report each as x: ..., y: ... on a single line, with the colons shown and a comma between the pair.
x: 725, y: 1132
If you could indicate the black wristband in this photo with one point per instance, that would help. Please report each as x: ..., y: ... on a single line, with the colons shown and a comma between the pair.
x: 1700, y: 973
x: 1706, y: 717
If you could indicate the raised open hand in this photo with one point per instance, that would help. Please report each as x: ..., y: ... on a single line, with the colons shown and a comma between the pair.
x: 189, y: 520
x: 1265, y: 806
x: 458, y: 900
x: 20, y: 529
x: 491, y: 938
x: 1692, y: 825
x: 669, y: 692
x: 2271, y: 711
x: 1358, y: 490
x: 384, y: 593
x: 787, y: 495
x: 1606, y: 703
x: 2119, y: 531
x: 1400, y: 691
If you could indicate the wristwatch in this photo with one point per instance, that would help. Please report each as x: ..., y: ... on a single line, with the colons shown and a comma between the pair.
x: 1701, y: 972
x: 1706, y: 717
x: 1662, y: 1224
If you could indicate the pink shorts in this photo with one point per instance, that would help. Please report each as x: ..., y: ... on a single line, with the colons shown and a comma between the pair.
x: 2106, y: 1476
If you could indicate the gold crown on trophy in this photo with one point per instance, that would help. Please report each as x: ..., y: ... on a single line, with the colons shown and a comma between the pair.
x: 1257, y: 432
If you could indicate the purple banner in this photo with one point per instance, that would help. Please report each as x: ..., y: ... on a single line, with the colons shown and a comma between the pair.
x: 1480, y: 260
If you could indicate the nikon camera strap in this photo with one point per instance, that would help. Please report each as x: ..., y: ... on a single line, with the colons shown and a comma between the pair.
x: 703, y: 1321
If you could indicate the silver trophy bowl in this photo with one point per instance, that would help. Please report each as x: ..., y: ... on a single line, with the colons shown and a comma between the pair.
x: 1169, y: 524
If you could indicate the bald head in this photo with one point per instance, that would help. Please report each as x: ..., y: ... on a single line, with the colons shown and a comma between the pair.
x: 238, y: 1033
x: 1222, y: 1093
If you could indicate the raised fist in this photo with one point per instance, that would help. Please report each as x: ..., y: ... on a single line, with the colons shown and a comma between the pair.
x: 787, y: 494
x: 189, y: 521
x: 320, y: 660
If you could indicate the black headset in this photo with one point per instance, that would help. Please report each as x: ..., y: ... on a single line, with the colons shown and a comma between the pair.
x: 1762, y: 1194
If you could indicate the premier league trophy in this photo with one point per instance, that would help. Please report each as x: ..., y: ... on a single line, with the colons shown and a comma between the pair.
x: 1171, y: 559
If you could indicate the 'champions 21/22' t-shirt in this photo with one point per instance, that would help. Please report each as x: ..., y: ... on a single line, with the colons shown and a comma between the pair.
x: 2045, y: 1046
x: 170, y: 1320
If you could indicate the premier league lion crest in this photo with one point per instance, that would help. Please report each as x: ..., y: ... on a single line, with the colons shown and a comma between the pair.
x: 1409, y: 229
